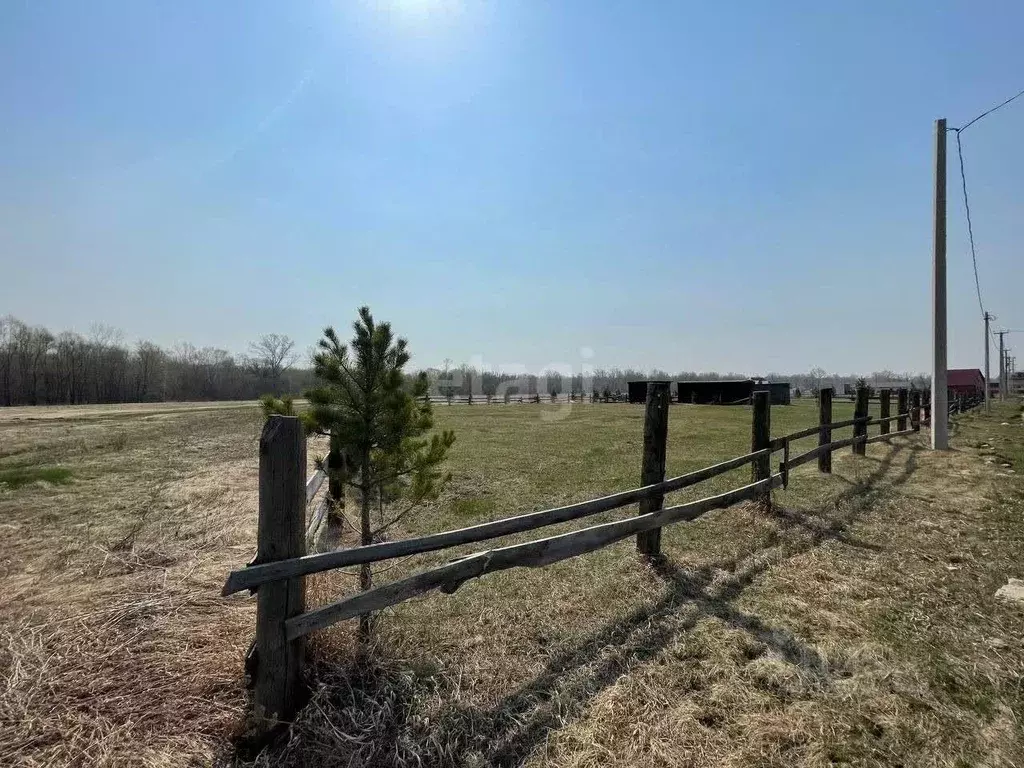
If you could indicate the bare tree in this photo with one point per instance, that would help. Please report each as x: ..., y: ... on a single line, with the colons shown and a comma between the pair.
x: 271, y: 355
x: 10, y: 330
x: 149, y: 371
x: 69, y: 361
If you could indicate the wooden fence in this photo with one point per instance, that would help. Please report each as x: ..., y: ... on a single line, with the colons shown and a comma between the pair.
x: 284, y: 536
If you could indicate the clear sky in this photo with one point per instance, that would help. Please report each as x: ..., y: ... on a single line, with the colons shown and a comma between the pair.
x: 737, y: 186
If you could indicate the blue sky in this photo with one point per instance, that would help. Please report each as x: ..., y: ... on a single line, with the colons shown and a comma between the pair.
x: 706, y: 186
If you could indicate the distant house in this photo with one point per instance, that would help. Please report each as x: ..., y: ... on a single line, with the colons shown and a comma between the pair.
x: 965, y: 381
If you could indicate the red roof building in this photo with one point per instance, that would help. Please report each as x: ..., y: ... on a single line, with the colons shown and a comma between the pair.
x: 965, y: 381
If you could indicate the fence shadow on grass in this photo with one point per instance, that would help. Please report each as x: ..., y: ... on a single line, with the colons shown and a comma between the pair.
x: 505, y: 734
x: 573, y: 677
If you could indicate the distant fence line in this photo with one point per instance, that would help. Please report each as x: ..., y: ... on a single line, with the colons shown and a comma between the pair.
x: 957, y: 403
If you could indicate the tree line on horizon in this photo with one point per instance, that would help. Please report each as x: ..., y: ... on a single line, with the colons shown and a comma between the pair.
x: 38, y: 367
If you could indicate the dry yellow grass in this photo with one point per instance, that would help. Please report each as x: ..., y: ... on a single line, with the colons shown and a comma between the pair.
x: 114, y: 646
x: 854, y: 624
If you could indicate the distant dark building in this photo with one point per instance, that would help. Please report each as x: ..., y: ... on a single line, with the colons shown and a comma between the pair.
x: 731, y: 392
x: 638, y: 390
x: 779, y: 391
x: 715, y: 392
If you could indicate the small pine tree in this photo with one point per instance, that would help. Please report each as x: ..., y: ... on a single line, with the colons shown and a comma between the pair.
x: 362, y: 403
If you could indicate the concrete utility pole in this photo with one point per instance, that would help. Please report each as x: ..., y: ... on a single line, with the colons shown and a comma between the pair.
x: 940, y: 408
x: 988, y: 386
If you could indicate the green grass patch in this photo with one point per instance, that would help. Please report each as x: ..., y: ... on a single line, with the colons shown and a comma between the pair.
x: 474, y: 507
x: 16, y: 477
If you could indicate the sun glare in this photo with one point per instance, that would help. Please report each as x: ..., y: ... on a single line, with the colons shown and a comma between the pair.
x: 417, y: 10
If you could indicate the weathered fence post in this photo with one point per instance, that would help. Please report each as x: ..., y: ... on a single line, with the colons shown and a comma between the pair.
x: 652, y: 468
x: 281, y: 535
x: 901, y: 409
x: 825, y: 433
x: 761, y: 437
x: 915, y: 410
x: 883, y: 409
x: 860, y: 429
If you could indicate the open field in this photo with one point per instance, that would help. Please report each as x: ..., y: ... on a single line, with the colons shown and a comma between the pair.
x: 854, y: 624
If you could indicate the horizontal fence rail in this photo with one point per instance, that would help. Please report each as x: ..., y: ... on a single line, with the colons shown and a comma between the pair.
x: 313, y: 485
x: 887, y: 435
x: 253, y: 576
x: 778, y: 442
x: 316, y: 522
x: 534, y: 554
x: 282, y: 562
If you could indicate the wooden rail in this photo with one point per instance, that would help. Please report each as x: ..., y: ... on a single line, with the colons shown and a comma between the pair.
x: 888, y: 435
x: 534, y: 554
x: 316, y: 522
x: 313, y: 484
x: 262, y: 573
x: 281, y: 564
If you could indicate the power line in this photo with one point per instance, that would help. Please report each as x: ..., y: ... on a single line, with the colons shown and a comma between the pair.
x: 963, y: 184
x: 986, y: 113
x: 967, y: 207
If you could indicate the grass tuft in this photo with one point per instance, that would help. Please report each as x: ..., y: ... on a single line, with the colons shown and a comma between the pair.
x: 16, y: 477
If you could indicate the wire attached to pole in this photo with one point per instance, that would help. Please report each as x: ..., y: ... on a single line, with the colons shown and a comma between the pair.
x: 970, y: 227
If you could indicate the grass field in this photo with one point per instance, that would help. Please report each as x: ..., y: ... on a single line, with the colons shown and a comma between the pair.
x: 854, y: 624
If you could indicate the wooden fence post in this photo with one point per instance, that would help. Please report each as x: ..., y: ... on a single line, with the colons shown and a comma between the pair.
x: 883, y: 409
x: 652, y: 467
x: 281, y: 535
x: 915, y: 410
x: 761, y: 437
x: 901, y: 408
x: 860, y: 429
x: 825, y: 433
